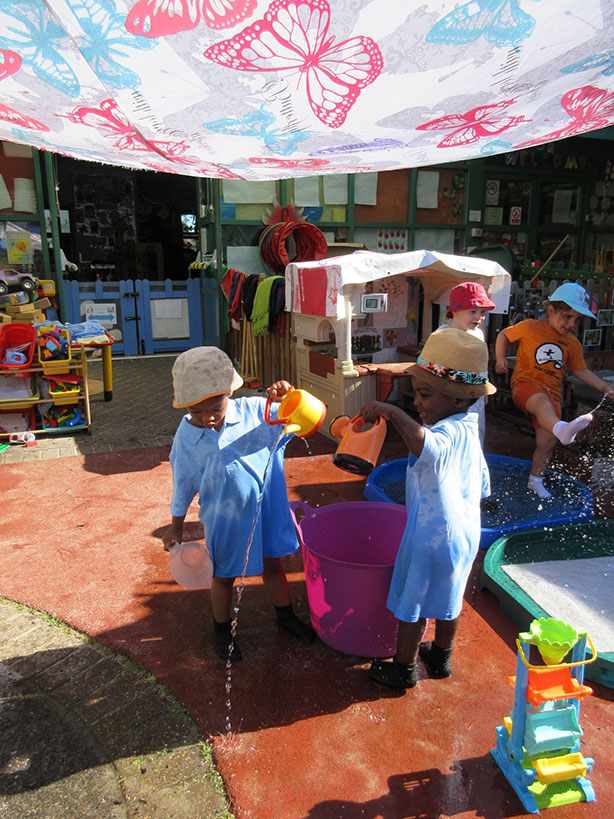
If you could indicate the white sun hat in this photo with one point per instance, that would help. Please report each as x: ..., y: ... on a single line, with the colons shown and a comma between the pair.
x: 202, y: 372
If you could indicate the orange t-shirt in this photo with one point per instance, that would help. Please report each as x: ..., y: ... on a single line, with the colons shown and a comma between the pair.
x: 543, y: 354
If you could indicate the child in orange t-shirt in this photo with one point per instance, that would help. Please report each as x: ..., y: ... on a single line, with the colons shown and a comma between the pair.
x: 548, y: 346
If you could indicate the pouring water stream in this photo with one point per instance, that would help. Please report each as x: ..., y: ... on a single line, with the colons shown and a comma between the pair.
x: 241, y: 586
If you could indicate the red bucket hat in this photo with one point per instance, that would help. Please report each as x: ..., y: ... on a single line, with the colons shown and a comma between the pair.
x: 468, y: 296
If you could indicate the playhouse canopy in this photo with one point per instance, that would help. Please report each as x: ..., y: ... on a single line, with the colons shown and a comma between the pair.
x: 267, y: 89
x: 317, y: 288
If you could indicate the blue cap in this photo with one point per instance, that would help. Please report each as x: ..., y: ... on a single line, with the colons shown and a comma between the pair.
x: 574, y: 296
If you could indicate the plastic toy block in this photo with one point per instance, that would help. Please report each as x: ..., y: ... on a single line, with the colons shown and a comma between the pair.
x: 552, y: 730
x: 560, y: 768
x: 552, y: 683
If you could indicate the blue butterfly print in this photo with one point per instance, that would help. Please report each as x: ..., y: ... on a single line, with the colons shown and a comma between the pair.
x: 495, y: 146
x: 501, y: 22
x: 259, y: 124
x: 105, y: 39
x: 39, y: 40
x: 605, y: 59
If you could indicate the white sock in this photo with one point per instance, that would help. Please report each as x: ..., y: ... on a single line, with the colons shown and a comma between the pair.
x: 567, y: 431
x: 536, y: 484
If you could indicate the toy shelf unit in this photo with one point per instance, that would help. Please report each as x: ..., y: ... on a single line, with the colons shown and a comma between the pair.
x: 27, y: 406
x: 538, y: 745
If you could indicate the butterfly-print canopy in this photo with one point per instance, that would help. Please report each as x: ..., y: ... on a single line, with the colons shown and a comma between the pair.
x: 255, y: 89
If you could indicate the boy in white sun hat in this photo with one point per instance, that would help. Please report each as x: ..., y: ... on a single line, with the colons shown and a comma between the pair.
x: 547, y: 348
x: 220, y: 453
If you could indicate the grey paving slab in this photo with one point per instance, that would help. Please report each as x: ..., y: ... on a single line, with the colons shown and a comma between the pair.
x: 87, y: 734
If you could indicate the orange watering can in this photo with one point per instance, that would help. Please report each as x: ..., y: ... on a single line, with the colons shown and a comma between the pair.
x: 300, y: 411
x: 360, y: 444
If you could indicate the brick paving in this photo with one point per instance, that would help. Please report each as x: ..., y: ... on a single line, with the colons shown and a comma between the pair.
x: 140, y: 415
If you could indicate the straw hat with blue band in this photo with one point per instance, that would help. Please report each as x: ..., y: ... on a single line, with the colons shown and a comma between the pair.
x: 455, y: 363
x: 574, y: 296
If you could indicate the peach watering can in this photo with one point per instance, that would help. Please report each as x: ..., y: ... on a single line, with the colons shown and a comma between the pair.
x: 360, y: 445
x: 300, y: 411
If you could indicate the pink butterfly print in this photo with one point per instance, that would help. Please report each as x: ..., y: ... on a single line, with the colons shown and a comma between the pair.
x: 10, y: 62
x: 21, y: 120
x: 292, y: 36
x: 275, y: 162
x: 156, y: 18
x: 107, y: 118
x: 483, y: 121
x: 589, y: 107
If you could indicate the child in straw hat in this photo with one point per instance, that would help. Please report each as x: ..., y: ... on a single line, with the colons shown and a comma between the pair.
x: 443, y: 490
x: 220, y: 452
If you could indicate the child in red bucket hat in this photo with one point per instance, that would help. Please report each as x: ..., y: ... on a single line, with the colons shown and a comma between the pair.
x: 469, y: 304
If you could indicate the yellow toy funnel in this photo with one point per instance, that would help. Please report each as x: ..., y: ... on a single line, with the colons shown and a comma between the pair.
x: 300, y: 411
x: 553, y: 638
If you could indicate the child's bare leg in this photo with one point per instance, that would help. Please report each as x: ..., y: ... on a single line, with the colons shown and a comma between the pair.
x: 545, y: 443
x: 401, y: 672
x: 221, y: 597
x: 408, y: 640
x: 276, y: 585
x: 436, y: 654
x: 275, y: 581
x: 539, y: 405
x: 221, y: 603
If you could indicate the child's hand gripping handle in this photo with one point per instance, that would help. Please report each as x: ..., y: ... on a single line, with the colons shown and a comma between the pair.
x: 267, y: 411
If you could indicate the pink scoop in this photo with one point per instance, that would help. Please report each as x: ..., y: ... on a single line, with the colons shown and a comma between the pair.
x: 191, y: 565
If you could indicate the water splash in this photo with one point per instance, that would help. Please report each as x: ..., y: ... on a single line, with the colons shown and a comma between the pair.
x: 241, y: 587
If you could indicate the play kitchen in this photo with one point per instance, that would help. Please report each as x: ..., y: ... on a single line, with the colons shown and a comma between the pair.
x: 356, y: 318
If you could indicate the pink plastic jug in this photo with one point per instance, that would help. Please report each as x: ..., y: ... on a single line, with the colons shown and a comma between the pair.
x: 191, y: 565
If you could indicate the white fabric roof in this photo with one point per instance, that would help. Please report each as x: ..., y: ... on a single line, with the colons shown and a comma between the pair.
x: 267, y: 89
x: 438, y: 273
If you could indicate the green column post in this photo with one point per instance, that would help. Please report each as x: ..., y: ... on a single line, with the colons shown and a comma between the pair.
x: 55, y: 233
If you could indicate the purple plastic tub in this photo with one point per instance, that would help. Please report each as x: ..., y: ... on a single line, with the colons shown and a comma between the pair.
x: 349, y: 551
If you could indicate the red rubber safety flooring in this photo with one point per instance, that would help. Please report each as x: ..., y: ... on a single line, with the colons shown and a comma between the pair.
x: 311, y: 736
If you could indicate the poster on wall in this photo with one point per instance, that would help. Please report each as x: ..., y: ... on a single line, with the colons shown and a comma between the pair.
x: 366, y: 340
x: 392, y: 240
x: 19, y: 247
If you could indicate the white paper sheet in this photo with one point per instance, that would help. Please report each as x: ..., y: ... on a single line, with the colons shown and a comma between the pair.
x: 246, y: 259
x: 365, y: 189
x: 168, y: 308
x: 248, y: 193
x: 307, y: 192
x: 12, y: 149
x: 427, y: 187
x: 336, y: 189
x: 561, y: 206
x: 25, y: 195
x: 5, y: 196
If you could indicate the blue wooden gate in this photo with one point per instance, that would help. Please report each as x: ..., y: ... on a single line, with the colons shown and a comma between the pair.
x: 146, y: 317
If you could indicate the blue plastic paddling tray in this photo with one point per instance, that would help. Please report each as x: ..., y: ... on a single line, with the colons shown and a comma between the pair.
x: 511, y: 506
x: 561, y: 544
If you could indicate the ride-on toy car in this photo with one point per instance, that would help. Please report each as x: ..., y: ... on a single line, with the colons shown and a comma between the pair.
x: 14, y: 280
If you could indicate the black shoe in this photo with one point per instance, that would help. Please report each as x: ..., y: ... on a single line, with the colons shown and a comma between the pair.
x: 287, y: 619
x: 394, y: 675
x: 222, y: 639
x: 436, y: 660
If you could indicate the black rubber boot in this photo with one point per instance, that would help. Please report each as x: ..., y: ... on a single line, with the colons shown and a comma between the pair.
x: 222, y: 637
x: 287, y: 619
x: 436, y: 659
x: 394, y: 675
